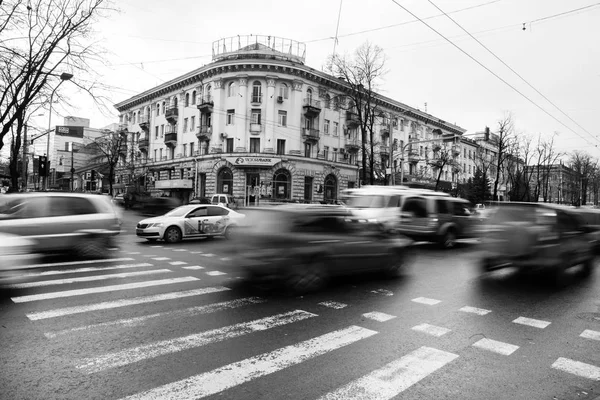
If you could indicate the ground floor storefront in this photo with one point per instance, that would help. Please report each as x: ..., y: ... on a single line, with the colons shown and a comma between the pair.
x: 253, y: 180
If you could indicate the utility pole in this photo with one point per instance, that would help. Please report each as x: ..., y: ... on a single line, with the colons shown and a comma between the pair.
x: 24, y: 160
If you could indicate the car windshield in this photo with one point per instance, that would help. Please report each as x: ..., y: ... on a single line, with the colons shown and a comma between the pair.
x: 367, y: 201
x: 11, y: 207
x: 178, y: 212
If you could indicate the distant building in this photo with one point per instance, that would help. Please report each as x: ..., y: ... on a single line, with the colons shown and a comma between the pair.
x: 555, y: 183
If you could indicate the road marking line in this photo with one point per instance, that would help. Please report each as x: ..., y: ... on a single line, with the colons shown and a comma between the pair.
x: 229, y: 376
x: 82, y: 262
x: 78, y: 270
x: 133, y: 252
x: 394, y: 378
x: 163, y: 347
x: 378, y: 316
x: 425, y: 300
x: 495, y: 346
x: 194, y: 267
x: 86, y: 279
x: 215, y: 273
x: 196, y: 252
x: 590, y: 334
x: 475, y: 310
x: 383, y: 292
x: 150, y: 255
x: 156, y: 246
x: 208, y: 254
x: 536, y: 323
x: 333, y: 304
x: 577, y: 368
x: 432, y: 330
x: 107, y: 305
x: 137, y: 321
x: 101, y: 289
x: 177, y: 263
x: 161, y: 258
x: 179, y: 249
x: 225, y: 259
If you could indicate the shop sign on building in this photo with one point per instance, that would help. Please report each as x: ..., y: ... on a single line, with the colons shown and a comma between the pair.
x: 253, y: 161
x: 174, y: 184
x: 72, y: 131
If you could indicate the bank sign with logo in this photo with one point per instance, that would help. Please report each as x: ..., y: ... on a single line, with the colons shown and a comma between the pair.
x: 253, y: 161
x: 72, y: 131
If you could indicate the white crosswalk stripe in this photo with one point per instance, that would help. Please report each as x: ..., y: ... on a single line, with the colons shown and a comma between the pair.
x: 137, y: 321
x: 86, y: 279
x: 101, y: 289
x: 67, y: 263
x: 229, y: 376
x: 395, y: 377
x: 577, y: 368
x: 107, y: 305
x: 78, y: 270
x: 163, y: 347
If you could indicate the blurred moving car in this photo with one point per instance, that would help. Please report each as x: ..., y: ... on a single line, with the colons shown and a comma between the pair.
x: 15, y: 252
x: 190, y: 221
x: 155, y: 206
x: 538, y: 237
x: 200, y: 200
x: 62, y: 222
x: 303, y: 247
x: 225, y: 200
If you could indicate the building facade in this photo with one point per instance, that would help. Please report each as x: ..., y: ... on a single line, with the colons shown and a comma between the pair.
x: 258, y: 124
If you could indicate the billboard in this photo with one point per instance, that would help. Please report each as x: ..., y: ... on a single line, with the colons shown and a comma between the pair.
x: 71, y: 131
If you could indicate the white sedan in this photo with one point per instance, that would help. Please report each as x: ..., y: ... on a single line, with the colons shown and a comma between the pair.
x: 190, y: 221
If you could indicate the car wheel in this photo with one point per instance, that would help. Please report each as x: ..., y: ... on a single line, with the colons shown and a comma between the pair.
x: 449, y: 239
x: 230, y: 233
x: 559, y: 274
x: 588, y: 267
x: 396, y: 265
x: 95, y: 247
x: 306, y: 277
x: 173, y: 235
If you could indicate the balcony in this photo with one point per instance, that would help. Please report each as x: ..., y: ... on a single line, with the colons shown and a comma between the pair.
x: 145, y: 122
x: 352, y: 145
x: 352, y: 119
x: 172, y: 114
x: 385, y: 131
x: 171, y: 136
x: 255, y: 129
x: 256, y: 100
x: 384, y: 150
x: 122, y: 129
x: 205, y: 104
x: 204, y: 133
x: 414, y: 157
x: 312, y: 108
x: 311, y: 135
x: 143, y: 145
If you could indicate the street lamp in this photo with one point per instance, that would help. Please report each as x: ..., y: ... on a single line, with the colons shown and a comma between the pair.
x: 65, y: 76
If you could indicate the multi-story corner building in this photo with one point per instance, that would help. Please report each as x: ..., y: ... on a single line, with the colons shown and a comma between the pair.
x: 259, y: 124
x: 555, y: 183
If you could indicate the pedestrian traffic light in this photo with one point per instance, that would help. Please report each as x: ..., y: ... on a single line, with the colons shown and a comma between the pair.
x: 42, y: 166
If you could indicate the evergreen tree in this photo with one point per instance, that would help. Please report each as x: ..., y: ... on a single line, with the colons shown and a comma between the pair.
x: 480, y: 188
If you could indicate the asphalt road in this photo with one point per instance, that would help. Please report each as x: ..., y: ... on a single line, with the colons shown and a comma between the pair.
x: 157, y: 321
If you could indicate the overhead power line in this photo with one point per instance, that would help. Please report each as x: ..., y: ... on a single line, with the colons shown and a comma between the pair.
x: 490, y: 71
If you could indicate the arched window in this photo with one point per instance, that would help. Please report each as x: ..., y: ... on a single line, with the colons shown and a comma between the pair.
x: 134, y: 115
x: 283, y: 91
x: 327, y: 101
x: 164, y: 103
x: 174, y: 102
x: 187, y: 99
x: 282, y: 184
x: 225, y: 181
x: 309, y: 94
x: 336, y: 103
x: 194, y: 97
x: 330, y: 188
x: 208, y: 93
x: 256, y: 92
x: 157, y: 109
x: 231, y: 89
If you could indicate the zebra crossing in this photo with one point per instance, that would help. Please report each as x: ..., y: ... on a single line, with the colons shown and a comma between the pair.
x: 383, y: 382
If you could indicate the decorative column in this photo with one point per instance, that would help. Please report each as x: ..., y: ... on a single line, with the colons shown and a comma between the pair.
x: 217, y: 117
x: 295, y: 117
x: 241, y: 117
x: 271, y: 119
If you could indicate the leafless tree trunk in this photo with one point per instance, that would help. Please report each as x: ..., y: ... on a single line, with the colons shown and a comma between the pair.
x: 110, y: 148
x: 505, y: 137
x: 583, y: 164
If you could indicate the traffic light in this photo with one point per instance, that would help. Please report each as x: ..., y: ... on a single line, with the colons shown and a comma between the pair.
x: 93, y: 178
x: 43, y: 166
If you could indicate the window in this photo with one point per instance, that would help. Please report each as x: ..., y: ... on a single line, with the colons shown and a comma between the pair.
x: 282, y: 184
x: 172, y: 153
x: 465, y: 152
x: 283, y: 91
x: 326, y: 127
x: 417, y: 206
x: 185, y: 124
x: 162, y: 130
x: 255, y: 116
x: 421, y: 151
x: 307, y: 149
x: 308, y: 187
x: 208, y: 92
x: 327, y: 101
x: 155, y: 154
x: 194, y: 97
x: 231, y: 89
x: 330, y: 188
x: 442, y: 206
x: 215, y: 211
x: 160, y: 154
x: 198, y: 212
x: 256, y: 92
x: 469, y: 154
x: 225, y: 181
x: 282, y: 118
x: 336, y: 128
x: 309, y: 95
x: 469, y: 169
x: 163, y: 107
x: 192, y: 124
x: 229, y: 145
x: 336, y: 103
x: 280, y: 146
x: 230, y: 117
x: 191, y: 148
x: 326, y: 152
x: 187, y: 99
x: 254, y: 145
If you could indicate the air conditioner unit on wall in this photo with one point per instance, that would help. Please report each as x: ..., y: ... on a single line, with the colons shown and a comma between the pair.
x: 280, y: 99
x: 223, y: 135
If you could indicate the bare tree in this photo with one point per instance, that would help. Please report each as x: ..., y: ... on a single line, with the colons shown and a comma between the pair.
x: 444, y: 154
x: 583, y: 164
x: 362, y: 72
x: 39, y: 40
x: 110, y: 149
x: 504, y: 141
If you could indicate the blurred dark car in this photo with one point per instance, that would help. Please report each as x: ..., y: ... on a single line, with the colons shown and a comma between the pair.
x: 84, y: 224
x: 538, y: 237
x: 301, y: 247
x: 200, y: 200
x: 155, y: 206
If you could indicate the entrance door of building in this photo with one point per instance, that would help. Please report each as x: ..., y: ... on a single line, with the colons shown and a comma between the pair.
x: 252, y: 188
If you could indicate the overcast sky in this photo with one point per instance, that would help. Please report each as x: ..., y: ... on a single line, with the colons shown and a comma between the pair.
x: 155, y: 41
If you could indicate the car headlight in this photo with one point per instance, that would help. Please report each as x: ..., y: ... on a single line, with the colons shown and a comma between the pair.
x: 156, y: 225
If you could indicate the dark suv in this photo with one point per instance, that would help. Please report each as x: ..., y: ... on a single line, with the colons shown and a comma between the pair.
x: 532, y: 236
